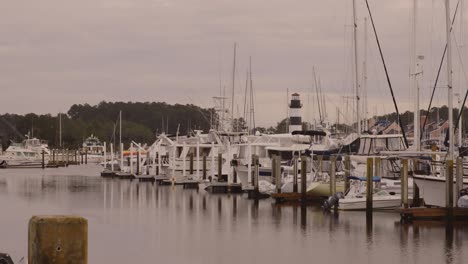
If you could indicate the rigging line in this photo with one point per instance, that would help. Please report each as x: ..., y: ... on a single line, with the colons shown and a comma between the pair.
x: 423, y: 130
x: 316, y: 91
x: 460, y: 111
x: 386, y: 73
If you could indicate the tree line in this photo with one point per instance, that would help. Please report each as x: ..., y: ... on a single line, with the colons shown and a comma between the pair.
x: 141, y: 122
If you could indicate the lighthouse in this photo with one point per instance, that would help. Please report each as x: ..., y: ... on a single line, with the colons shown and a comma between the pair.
x: 295, y: 119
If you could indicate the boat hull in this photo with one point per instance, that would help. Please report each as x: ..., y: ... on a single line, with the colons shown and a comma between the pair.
x: 432, y: 189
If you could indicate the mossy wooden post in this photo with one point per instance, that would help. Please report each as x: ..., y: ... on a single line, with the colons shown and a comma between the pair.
x: 190, y: 164
x: 53, y: 156
x: 43, y: 159
x: 220, y: 167
x: 138, y: 163
x: 204, y: 166
x: 332, y: 175
x: 58, y: 240
x: 459, y: 179
x: 347, y: 172
x: 449, y: 185
x: 369, y: 184
x: 404, y: 183
x: 295, y: 161
x: 303, y: 178
x: 256, y: 174
x: 278, y: 173
x: 234, y: 171
x: 273, y: 169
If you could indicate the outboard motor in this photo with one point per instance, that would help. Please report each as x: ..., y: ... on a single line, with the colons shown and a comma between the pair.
x: 463, y: 201
x: 332, y: 201
x: 5, y: 259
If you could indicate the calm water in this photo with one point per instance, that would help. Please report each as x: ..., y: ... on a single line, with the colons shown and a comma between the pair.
x: 132, y: 222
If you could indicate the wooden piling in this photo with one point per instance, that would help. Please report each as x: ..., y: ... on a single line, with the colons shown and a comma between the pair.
x: 378, y: 167
x: 449, y: 184
x: 295, y: 161
x: 204, y: 166
x: 234, y: 171
x: 320, y: 164
x: 159, y: 163
x: 53, y: 156
x: 332, y: 175
x: 43, y: 159
x: 256, y: 173
x: 278, y: 173
x: 190, y: 164
x: 138, y: 163
x: 404, y: 183
x: 459, y: 179
x: 369, y: 184
x: 273, y: 169
x: 58, y: 239
x: 68, y: 157
x: 347, y: 172
x: 86, y: 156
x: 76, y: 157
x: 220, y: 167
x: 303, y: 179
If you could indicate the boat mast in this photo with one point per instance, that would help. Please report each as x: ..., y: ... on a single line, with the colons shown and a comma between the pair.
x: 120, y: 131
x: 252, y: 105
x: 60, y: 129
x: 449, y: 80
x: 364, y: 81
x: 233, y: 85
x: 356, y: 73
x: 413, y: 78
x: 460, y: 102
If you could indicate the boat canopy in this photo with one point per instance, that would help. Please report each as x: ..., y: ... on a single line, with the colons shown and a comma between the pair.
x: 310, y: 133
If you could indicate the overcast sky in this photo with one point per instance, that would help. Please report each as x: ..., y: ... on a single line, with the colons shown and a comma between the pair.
x: 54, y: 53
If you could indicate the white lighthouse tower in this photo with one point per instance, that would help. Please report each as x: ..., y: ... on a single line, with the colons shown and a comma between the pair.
x: 295, y: 119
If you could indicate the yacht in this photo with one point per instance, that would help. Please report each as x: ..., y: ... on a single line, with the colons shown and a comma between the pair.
x: 28, y: 152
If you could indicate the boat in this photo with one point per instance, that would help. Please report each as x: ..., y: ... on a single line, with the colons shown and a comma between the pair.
x: 94, y: 149
x: 27, y: 153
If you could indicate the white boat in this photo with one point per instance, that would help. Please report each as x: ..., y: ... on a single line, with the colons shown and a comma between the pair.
x: 28, y: 152
x: 94, y: 149
x: 432, y: 187
x: 387, y: 194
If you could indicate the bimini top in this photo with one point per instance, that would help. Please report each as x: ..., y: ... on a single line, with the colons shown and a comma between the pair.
x: 310, y: 133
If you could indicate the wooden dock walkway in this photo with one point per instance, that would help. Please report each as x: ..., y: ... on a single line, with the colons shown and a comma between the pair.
x: 424, y: 213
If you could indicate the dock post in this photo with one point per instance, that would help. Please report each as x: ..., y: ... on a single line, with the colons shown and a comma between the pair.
x: 198, y: 159
x: 278, y: 173
x: 303, y: 179
x: 112, y: 156
x: 404, y: 183
x: 220, y: 167
x: 332, y: 175
x: 320, y: 164
x: 256, y: 174
x: 191, y: 164
x: 449, y: 185
x: 347, y: 172
x: 86, y: 157
x: 57, y: 239
x: 273, y: 169
x: 53, y: 156
x: 369, y: 184
x: 459, y: 179
x: 378, y: 167
x: 295, y: 161
x: 43, y: 159
x: 204, y: 166
x: 158, y: 158
x: 234, y: 172
x: 76, y: 157
x: 138, y: 163
x: 68, y: 156
x: 131, y: 158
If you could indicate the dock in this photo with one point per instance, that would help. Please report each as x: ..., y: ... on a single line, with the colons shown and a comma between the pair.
x: 295, y: 197
x: 424, y: 213
x: 224, y: 187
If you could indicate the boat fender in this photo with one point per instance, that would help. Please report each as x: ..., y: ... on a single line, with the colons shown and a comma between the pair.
x: 332, y: 201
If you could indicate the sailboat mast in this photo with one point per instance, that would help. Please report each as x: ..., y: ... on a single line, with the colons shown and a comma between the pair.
x: 60, y: 129
x: 317, y: 93
x: 449, y: 81
x: 252, y: 105
x: 356, y: 72
x: 120, y: 131
x: 460, y: 103
x: 233, y: 84
x: 364, y: 81
x: 413, y: 78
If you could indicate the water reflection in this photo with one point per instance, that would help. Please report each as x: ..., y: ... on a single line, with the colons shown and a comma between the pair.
x: 148, y: 221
